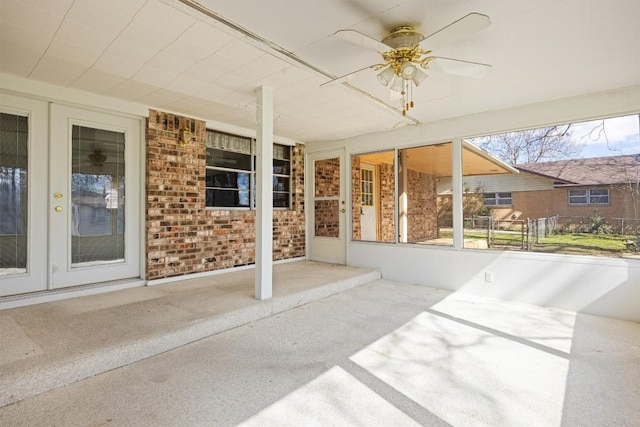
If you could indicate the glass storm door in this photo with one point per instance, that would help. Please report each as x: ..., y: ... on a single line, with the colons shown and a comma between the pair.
x: 327, y: 208
x: 94, y: 197
x: 23, y: 175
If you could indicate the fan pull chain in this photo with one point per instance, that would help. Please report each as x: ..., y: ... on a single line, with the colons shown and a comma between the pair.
x: 407, y: 98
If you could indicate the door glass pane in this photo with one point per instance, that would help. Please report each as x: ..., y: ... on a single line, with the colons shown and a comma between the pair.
x: 373, y: 189
x: 327, y: 194
x: 97, y: 196
x: 425, y: 213
x: 327, y: 224
x: 327, y: 178
x: 13, y: 194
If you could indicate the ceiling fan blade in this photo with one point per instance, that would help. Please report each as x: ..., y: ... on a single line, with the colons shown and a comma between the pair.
x: 457, y: 67
x: 356, y: 37
x: 455, y: 31
x: 348, y: 77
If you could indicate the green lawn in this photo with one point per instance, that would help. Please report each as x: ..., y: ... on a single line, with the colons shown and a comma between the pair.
x: 577, y: 243
x: 583, y: 244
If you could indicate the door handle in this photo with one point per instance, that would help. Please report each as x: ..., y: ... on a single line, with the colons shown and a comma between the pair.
x: 57, y: 195
x: 58, y: 209
x: 343, y: 210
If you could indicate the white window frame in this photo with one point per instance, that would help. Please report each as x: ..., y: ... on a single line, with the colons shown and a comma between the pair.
x: 496, y: 198
x: 252, y: 174
x: 589, y: 198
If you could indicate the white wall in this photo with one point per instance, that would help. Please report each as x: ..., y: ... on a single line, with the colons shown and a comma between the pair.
x: 605, y: 287
x: 596, y: 285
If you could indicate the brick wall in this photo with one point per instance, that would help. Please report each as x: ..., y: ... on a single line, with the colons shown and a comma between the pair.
x: 422, y: 209
x: 620, y: 204
x: 387, y: 202
x: 356, y: 199
x: 544, y: 203
x: 182, y: 236
x: 327, y: 184
x: 422, y: 203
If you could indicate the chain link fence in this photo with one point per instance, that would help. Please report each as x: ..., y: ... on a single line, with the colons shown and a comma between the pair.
x: 524, y: 234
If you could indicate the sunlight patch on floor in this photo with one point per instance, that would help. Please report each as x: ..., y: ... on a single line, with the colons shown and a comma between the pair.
x: 334, y: 398
x: 470, y: 374
x: 546, y: 326
x: 465, y: 360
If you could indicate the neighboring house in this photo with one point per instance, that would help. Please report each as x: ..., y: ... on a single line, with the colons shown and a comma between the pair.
x: 607, y: 186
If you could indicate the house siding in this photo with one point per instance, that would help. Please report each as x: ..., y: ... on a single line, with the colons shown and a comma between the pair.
x: 527, y: 204
x: 522, y: 181
x: 620, y: 203
x: 545, y: 203
x: 184, y: 237
x: 536, y: 197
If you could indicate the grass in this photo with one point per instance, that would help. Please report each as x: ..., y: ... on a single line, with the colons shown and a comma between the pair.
x: 583, y: 244
x: 611, y: 245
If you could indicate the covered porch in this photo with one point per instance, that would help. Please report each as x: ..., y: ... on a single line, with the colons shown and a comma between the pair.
x: 57, y: 343
x: 382, y: 353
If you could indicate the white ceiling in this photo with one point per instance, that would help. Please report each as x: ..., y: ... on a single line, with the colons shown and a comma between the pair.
x: 166, y: 55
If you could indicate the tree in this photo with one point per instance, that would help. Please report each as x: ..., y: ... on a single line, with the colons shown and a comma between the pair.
x: 532, y: 145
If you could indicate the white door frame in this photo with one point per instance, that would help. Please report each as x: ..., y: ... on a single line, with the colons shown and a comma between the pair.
x: 63, y: 273
x: 326, y: 249
x: 35, y: 277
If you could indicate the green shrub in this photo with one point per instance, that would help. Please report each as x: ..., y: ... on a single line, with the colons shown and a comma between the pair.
x: 598, y: 225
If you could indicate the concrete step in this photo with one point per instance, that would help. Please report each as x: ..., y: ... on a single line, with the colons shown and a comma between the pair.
x: 59, y: 343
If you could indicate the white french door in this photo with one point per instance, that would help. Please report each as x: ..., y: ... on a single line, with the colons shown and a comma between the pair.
x: 23, y: 195
x: 69, y: 196
x: 326, y: 205
x: 94, y: 201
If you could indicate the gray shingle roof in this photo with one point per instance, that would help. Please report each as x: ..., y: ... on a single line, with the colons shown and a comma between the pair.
x: 597, y: 170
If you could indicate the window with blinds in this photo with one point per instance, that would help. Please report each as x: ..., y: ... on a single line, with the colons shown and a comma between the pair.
x: 231, y: 167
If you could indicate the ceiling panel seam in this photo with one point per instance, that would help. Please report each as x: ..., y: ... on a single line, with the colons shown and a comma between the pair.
x: 289, y: 55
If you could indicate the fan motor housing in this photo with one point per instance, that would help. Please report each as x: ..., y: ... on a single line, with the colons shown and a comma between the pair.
x: 403, y: 37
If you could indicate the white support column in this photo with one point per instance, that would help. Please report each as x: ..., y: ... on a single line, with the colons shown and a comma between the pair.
x: 264, y: 194
x: 458, y: 220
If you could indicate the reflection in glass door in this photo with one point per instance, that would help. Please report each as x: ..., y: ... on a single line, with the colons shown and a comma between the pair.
x: 14, y: 194
x: 23, y: 183
x: 327, y: 241
x: 327, y: 197
x: 97, y: 196
x: 94, y: 173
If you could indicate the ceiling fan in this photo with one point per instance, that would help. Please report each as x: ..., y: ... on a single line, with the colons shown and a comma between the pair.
x: 405, y: 51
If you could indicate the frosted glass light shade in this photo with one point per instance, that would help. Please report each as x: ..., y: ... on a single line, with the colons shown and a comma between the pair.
x: 418, y: 77
x: 408, y: 70
x: 385, y: 76
x: 397, y: 83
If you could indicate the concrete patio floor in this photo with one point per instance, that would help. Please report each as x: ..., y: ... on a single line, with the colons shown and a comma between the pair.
x: 383, y: 353
x: 49, y: 345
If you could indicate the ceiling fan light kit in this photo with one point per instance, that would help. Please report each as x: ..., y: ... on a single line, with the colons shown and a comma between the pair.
x: 386, y: 75
x: 404, y: 62
x: 408, y: 70
x: 419, y: 77
x: 403, y: 54
x: 397, y: 84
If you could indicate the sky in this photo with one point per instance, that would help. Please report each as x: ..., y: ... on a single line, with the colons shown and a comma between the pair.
x: 618, y: 136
